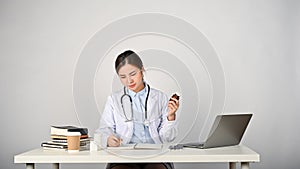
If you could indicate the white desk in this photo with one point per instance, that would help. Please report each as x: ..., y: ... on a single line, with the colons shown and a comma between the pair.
x: 231, y: 155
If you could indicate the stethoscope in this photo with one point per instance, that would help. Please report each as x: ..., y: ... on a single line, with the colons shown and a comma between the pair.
x: 146, y: 121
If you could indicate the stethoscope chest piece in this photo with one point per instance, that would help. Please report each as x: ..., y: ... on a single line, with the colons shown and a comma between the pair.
x: 146, y: 123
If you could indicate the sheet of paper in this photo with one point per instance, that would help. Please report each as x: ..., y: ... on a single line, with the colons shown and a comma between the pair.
x: 148, y: 146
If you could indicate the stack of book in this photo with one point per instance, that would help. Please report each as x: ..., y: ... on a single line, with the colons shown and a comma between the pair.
x: 59, y: 138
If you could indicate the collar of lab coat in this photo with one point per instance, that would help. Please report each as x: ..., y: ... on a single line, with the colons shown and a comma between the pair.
x: 144, y: 91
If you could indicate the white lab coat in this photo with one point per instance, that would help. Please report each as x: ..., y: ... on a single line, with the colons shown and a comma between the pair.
x: 113, y: 121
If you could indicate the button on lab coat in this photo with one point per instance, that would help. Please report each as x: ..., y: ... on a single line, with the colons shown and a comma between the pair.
x: 113, y: 121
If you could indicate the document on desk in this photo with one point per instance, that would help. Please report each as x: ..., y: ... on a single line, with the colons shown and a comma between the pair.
x: 137, y: 146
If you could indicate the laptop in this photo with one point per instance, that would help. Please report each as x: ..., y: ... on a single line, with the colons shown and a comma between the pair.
x: 227, y: 130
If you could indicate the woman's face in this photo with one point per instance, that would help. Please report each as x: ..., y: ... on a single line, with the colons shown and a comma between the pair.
x: 131, y: 77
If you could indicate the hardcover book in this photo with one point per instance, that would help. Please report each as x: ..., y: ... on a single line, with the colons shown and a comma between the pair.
x: 63, y: 130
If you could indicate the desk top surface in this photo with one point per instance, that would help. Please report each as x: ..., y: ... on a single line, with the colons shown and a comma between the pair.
x: 223, y: 154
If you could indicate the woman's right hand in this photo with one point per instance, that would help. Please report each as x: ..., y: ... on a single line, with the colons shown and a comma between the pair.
x: 113, y: 141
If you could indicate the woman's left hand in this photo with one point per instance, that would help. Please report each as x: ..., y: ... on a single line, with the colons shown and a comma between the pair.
x: 172, y: 107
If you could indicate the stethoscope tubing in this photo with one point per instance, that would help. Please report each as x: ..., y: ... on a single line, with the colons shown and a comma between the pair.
x: 130, y: 99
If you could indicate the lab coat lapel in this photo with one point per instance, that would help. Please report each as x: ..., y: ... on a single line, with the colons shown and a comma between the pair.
x: 152, y: 106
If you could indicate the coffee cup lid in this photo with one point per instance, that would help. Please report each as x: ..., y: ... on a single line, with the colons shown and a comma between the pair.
x: 73, y: 134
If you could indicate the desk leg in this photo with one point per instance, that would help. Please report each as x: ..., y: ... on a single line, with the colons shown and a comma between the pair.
x: 29, y: 165
x: 232, y: 165
x: 245, y: 165
x: 55, y: 165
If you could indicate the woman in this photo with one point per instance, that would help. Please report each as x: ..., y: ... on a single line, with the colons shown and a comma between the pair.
x: 151, y: 119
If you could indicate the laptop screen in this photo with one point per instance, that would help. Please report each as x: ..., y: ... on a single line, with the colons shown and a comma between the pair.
x: 227, y: 130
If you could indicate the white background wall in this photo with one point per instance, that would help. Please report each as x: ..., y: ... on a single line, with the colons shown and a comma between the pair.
x: 257, y: 42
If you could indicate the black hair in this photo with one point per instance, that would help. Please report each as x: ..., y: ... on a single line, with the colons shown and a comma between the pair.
x: 128, y: 57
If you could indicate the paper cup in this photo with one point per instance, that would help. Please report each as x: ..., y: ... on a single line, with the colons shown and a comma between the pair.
x: 73, y: 139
